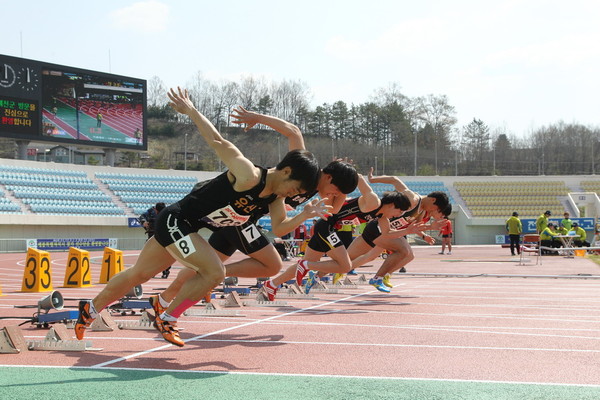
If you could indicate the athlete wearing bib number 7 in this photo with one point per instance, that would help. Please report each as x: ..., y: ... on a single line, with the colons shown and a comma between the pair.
x: 227, y: 200
x: 336, y: 179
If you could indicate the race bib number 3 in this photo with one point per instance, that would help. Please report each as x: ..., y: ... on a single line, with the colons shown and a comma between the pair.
x: 226, y: 216
x: 185, y: 246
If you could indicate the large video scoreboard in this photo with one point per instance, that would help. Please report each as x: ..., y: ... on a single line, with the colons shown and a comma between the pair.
x: 46, y: 102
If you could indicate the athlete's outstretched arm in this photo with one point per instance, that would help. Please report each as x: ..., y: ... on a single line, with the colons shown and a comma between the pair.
x: 392, y: 180
x: 287, y: 129
x: 368, y: 200
x: 244, y: 171
x: 282, y: 224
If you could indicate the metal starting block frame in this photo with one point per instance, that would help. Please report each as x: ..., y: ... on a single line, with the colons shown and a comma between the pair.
x: 211, y: 311
x: 58, y: 338
x: 146, y: 322
x: 125, y: 305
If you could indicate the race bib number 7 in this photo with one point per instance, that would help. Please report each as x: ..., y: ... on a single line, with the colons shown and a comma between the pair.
x: 251, y: 233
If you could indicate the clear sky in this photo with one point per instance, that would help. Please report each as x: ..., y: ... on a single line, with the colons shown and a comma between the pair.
x: 515, y: 64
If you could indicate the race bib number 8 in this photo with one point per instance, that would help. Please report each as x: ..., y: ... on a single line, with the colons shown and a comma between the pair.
x: 333, y: 239
x: 185, y: 246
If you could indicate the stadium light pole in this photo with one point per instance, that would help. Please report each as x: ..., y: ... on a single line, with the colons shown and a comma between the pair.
x: 185, y: 152
x: 415, y: 152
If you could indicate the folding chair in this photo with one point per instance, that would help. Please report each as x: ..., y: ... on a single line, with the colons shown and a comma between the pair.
x: 531, y: 243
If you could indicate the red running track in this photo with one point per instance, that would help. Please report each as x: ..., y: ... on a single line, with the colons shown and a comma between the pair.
x: 476, y: 315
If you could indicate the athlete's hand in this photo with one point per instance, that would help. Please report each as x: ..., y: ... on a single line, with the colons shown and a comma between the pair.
x: 242, y: 116
x: 180, y: 100
x: 317, y: 208
x: 370, y: 176
x: 437, y: 224
x: 429, y: 239
x: 415, y: 227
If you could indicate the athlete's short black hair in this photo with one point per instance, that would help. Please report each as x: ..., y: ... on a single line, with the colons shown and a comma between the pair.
x: 305, y: 168
x: 399, y: 200
x: 343, y: 175
x: 442, y: 202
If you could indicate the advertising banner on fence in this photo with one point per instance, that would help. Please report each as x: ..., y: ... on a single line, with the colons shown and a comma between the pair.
x: 64, y: 244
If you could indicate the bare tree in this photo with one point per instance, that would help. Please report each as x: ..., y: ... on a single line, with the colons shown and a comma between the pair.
x: 157, y: 92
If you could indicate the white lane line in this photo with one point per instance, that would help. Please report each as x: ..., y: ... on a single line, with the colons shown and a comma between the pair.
x: 228, y: 329
x: 411, y: 346
x: 392, y: 378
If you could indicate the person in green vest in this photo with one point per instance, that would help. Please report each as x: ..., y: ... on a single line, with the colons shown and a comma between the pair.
x: 580, y: 241
x: 542, y: 222
x: 547, y: 237
x: 566, y: 222
x: 514, y: 227
x: 561, y: 230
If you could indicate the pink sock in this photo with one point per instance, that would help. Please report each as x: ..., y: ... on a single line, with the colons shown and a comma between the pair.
x: 185, y: 304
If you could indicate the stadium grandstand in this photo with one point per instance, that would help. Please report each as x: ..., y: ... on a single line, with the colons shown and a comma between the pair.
x: 50, y: 200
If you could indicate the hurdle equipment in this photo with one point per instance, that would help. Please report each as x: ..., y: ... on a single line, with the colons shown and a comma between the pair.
x: 112, y: 264
x: 104, y: 323
x: 12, y: 340
x: 37, y: 276
x: 77, y: 273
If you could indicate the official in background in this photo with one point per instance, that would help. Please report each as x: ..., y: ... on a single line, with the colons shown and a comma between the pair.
x: 514, y: 227
x: 581, y: 240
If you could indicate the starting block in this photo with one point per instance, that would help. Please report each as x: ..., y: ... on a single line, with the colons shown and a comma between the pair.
x: 242, y: 291
x: 263, y: 301
x: 362, y: 280
x: 104, y: 323
x: 295, y: 289
x: 57, y: 339
x: 348, y: 282
x: 12, y: 340
x: 325, y: 291
x: 322, y: 285
x: 233, y: 300
x: 211, y: 310
x: 145, y: 322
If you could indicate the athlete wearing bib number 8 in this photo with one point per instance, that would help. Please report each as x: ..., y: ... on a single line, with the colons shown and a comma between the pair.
x: 336, y: 179
x: 241, y: 189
